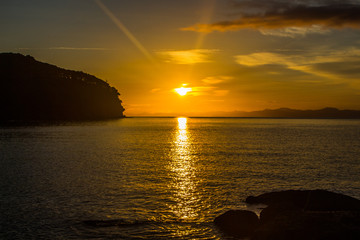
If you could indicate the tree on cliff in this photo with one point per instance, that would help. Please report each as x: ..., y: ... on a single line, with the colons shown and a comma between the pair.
x: 32, y: 90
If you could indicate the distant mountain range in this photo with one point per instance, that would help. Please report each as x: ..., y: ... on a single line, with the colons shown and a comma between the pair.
x: 293, y: 113
x: 31, y: 90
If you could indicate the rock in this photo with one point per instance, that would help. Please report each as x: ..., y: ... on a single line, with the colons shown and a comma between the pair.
x: 309, y: 214
x: 304, y: 214
x: 299, y: 225
x: 295, y: 197
x: 240, y: 223
x: 272, y: 211
x: 321, y: 200
x: 315, y: 200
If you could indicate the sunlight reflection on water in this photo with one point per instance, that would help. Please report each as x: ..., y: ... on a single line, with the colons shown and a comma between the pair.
x: 163, y: 178
x: 183, y: 175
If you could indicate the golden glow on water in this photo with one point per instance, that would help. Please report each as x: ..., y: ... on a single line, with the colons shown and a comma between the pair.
x: 183, y: 174
x: 182, y: 121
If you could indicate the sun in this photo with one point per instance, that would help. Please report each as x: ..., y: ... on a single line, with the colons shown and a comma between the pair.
x: 182, y: 91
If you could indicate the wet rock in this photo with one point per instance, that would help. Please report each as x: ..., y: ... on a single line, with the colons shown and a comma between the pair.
x: 316, y: 200
x: 321, y: 200
x: 306, y: 214
x: 299, y: 225
x: 296, y: 197
x: 273, y: 211
x: 238, y: 223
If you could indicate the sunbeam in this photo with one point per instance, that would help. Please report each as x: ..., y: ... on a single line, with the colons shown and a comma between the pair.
x: 206, y: 17
x: 126, y: 31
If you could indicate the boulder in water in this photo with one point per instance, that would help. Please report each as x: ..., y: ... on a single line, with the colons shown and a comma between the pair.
x: 240, y: 223
x: 298, y: 215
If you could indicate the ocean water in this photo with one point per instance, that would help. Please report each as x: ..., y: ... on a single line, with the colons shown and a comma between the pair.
x: 162, y: 178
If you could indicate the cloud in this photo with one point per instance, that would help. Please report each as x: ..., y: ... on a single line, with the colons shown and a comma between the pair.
x: 79, y: 48
x: 302, y: 58
x: 210, y: 87
x: 293, y: 17
x: 192, y: 56
x: 295, y: 31
x: 202, y: 90
x: 70, y: 48
x: 318, y: 63
x: 216, y: 80
x: 264, y: 58
x: 154, y: 90
x: 210, y: 91
x: 221, y: 93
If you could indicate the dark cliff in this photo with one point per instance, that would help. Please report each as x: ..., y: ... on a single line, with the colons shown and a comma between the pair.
x: 31, y: 90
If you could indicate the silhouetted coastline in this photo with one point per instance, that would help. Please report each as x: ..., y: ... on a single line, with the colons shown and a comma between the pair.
x: 33, y: 92
x: 328, y: 112
x: 324, y: 113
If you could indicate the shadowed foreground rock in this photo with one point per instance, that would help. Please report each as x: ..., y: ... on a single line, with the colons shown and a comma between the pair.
x: 238, y: 223
x: 299, y: 215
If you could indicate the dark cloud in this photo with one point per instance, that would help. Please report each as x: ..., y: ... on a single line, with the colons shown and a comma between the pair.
x: 281, y: 5
x: 263, y: 15
x: 346, y: 69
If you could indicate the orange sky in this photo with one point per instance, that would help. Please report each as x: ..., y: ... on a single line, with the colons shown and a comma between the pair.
x: 234, y: 55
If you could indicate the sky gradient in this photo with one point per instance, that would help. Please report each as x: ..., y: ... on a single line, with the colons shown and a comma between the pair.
x: 234, y: 55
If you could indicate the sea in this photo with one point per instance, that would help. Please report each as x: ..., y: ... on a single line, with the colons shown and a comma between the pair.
x: 162, y: 178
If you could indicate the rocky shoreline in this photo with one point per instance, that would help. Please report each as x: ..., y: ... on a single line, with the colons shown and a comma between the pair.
x: 295, y: 215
